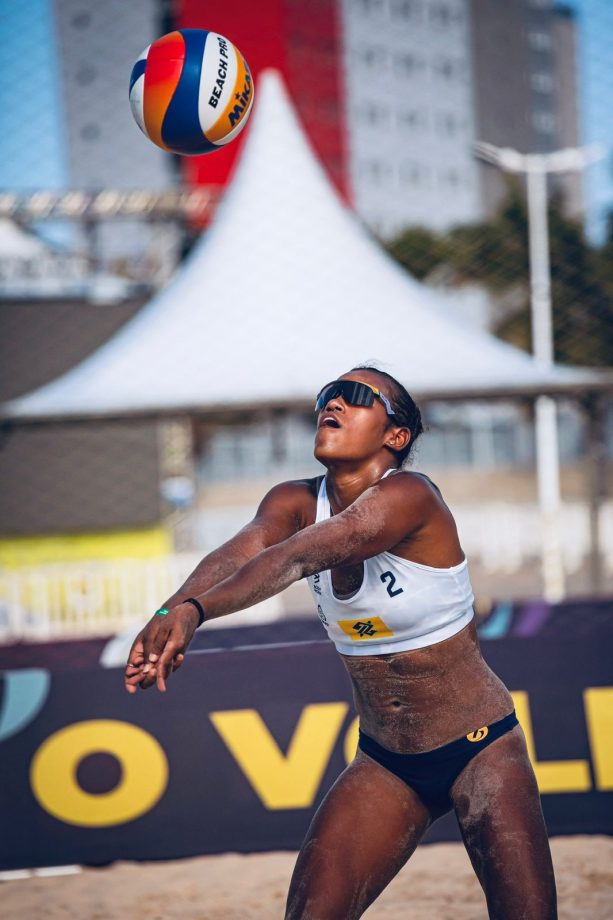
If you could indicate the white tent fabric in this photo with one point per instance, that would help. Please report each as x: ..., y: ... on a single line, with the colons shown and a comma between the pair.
x: 284, y: 292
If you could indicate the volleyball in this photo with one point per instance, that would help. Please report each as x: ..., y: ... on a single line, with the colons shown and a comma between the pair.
x: 191, y: 92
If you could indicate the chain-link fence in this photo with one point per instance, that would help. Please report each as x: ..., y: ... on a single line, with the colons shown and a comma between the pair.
x: 394, y: 96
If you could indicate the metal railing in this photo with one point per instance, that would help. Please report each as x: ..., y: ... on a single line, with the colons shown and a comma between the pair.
x: 65, y: 600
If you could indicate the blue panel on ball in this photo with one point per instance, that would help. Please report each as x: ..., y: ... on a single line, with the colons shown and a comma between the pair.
x: 137, y: 71
x: 181, y: 129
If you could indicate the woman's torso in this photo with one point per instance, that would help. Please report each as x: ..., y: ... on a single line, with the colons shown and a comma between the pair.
x: 436, y: 687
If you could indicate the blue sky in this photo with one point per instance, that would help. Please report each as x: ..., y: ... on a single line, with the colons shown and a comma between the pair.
x: 595, y: 22
x: 32, y: 149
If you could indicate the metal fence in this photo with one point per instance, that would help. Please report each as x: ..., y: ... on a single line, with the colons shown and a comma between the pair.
x: 93, y: 219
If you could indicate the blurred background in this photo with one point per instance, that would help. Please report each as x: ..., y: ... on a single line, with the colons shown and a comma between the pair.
x: 102, y: 515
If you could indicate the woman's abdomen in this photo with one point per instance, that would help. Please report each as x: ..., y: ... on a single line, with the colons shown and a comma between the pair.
x: 418, y: 700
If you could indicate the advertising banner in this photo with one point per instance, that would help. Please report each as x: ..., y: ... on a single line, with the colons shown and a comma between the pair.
x: 239, y: 752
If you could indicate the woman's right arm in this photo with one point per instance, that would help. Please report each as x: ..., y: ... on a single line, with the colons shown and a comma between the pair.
x: 281, y: 514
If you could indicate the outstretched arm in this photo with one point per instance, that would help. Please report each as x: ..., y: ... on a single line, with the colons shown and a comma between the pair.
x: 279, y: 515
x: 376, y: 522
x: 277, y: 518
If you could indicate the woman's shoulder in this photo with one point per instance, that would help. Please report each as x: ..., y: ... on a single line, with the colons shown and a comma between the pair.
x: 413, y: 482
x: 296, y: 498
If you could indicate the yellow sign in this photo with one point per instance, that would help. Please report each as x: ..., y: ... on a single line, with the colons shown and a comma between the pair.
x: 281, y: 780
x: 144, y: 773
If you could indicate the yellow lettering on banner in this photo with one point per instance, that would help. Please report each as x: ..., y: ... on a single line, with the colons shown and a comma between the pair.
x: 282, y: 781
x: 144, y: 773
x: 599, y: 715
x: 552, y: 775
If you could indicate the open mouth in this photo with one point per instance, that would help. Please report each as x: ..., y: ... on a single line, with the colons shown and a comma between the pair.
x: 328, y: 421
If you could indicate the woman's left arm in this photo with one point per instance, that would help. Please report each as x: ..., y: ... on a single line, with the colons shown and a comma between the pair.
x: 377, y: 521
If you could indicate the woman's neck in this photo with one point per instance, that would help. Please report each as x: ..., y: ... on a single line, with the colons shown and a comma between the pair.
x: 344, y: 485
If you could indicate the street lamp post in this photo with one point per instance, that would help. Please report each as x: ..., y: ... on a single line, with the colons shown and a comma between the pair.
x: 536, y: 167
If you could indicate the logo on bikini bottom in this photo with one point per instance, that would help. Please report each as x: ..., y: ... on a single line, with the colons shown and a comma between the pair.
x: 478, y: 735
x: 370, y: 628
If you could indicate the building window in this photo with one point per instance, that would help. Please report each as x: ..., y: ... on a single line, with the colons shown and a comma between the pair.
x: 90, y: 132
x: 408, y: 10
x: 447, y: 124
x: 372, y: 56
x: 375, y: 171
x: 407, y: 64
x: 541, y: 82
x: 545, y: 122
x: 445, y: 15
x: 540, y: 41
x: 373, y: 114
x: 369, y: 7
x: 412, y: 173
x: 449, y: 177
x: 85, y: 75
x: 413, y: 119
x: 81, y: 20
x: 449, y: 69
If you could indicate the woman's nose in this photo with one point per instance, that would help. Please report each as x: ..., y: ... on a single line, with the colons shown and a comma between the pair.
x: 334, y: 403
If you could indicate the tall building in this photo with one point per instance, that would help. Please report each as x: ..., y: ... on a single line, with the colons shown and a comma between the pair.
x: 525, y: 85
x: 65, y: 110
x: 97, y: 46
x: 302, y: 41
x: 410, y: 112
x: 394, y: 93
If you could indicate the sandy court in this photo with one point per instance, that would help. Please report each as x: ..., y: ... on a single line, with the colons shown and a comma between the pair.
x: 437, y: 884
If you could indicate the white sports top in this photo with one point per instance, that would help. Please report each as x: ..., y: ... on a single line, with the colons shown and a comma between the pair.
x: 400, y: 605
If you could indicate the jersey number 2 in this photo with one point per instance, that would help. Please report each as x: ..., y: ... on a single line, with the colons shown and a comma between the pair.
x: 388, y: 576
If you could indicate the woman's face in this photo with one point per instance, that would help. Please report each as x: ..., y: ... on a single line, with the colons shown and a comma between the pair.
x: 355, y: 433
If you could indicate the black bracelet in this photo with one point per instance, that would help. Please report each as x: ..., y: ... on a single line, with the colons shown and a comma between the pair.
x: 199, y: 608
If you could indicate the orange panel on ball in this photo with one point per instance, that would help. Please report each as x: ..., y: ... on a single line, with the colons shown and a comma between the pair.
x: 162, y: 74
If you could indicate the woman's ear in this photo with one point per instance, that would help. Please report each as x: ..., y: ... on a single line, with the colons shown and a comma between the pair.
x: 397, y: 438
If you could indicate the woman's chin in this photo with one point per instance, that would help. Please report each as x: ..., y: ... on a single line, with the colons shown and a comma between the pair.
x: 329, y: 454
x: 325, y: 453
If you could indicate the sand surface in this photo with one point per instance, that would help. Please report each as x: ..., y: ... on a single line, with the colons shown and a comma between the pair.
x: 437, y: 884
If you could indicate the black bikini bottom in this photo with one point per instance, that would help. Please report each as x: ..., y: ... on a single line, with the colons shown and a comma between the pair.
x: 432, y: 773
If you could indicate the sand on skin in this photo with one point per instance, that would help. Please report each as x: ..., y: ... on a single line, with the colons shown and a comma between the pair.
x: 437, y: 884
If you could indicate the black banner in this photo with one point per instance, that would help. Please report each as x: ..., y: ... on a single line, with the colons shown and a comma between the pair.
x: 241, y: 749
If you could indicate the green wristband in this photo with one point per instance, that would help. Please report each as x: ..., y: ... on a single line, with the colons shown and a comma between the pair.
x: 162, y: 612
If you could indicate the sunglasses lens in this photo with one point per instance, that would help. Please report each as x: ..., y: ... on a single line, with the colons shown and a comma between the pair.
x: 353, y: 392
x: 326, y: 395
x: 357, y: 394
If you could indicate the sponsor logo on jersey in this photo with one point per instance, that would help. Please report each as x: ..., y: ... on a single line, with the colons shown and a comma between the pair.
x: 366, y: 628
x: 478, y: 735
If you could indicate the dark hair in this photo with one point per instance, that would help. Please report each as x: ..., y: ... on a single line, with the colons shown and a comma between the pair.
x: 405, y: 409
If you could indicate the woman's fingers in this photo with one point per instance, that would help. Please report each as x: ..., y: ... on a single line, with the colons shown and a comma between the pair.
x: 164, y: 666
x: 134, y: 666
x: 155, y: 634
x: 158, y: 651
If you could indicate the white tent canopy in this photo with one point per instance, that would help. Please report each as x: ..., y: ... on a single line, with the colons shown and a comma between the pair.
x: 285, y: 292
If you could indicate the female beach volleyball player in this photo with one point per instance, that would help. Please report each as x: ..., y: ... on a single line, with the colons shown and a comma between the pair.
x: 437, y: 728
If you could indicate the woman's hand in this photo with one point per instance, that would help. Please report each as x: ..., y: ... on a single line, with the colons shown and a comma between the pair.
x: 159, y: 648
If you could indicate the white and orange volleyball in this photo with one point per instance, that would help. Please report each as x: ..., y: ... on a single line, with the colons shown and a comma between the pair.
x: 191, y: 92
